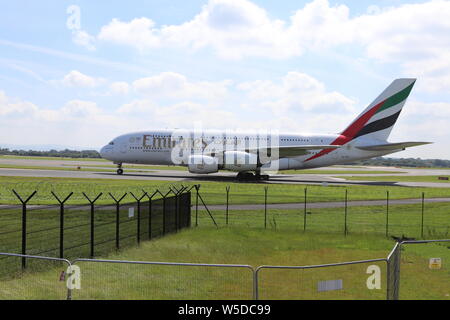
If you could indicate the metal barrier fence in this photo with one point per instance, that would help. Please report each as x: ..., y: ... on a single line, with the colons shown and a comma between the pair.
x: 348, y: 280
x: 163, y: 280
x: 23, y: 284
x: 121, y: 279
x: 68, y: 231
x: 414, y: 269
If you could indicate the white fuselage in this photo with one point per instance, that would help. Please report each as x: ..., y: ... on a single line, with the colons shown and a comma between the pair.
x: 170, y: 147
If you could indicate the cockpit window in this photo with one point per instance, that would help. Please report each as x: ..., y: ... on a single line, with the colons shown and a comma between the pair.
x: 111, y: 143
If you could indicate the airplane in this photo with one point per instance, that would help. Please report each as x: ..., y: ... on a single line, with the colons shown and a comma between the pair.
x: 252, y: 153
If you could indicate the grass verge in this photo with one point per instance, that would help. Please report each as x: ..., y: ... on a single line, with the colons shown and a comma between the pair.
x: 241, y: 246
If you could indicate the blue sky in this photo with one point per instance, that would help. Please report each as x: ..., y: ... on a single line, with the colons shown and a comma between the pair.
x: 77, y: 73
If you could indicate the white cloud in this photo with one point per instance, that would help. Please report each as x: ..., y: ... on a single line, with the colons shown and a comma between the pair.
x: 138, y: 33
x: 80, y: 109
x: 84, y: 39
x: 16, y: 107
x: 296, y: 92
x: 414, y: 36
x: 119, y: 88
x: 239, y: 28
x: 177, y: 86
x: 77, y: 79
x: 233, y: 28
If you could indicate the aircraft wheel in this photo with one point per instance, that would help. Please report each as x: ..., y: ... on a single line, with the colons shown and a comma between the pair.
x: 242, y: 176
x: 119, y: 171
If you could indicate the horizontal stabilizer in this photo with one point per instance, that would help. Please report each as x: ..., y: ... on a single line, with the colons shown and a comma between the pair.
x: 391, y: 146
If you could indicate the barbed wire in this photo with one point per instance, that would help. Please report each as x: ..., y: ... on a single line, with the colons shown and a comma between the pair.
x: 45, y: 189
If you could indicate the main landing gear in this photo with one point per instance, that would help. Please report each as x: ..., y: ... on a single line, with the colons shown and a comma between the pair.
x: 119, y: 169
x: 250, y: 176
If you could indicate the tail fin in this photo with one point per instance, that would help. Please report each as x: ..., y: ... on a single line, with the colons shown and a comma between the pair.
x: 378, y: 119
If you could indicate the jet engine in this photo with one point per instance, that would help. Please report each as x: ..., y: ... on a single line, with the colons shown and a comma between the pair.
x: 202, y: 164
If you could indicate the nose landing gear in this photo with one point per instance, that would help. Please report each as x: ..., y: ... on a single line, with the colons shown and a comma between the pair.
x: 119, y: 170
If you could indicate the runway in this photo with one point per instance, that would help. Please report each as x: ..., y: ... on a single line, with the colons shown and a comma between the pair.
x: 179, y: 175
x: 102, y: 169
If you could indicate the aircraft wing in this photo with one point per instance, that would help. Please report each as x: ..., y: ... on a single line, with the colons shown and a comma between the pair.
x: 391, y: 146
x: 291, y: 151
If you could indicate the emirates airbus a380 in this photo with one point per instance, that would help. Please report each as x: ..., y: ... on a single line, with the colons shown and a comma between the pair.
x: 250, y: 153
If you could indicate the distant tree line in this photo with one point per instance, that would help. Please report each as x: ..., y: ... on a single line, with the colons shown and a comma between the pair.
x: 52, y: 153
x: 404, y: 162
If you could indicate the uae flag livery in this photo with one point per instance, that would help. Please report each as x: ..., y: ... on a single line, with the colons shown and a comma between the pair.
x: 378, y: 118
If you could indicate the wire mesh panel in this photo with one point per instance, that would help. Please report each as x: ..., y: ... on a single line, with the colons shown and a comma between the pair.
x: 425, y: 271
x: 145, y: 221
x: 76, y: 231
x: 405, y: 220
x: 367, y: 219
x: 104, y: 229
x: 10, y: 238
x: 43, y: 230
x: 364, y: 280
x: 435, y: 220
x: 184, y: 210
x: 10, y: 228
x: 171, y: 218
x: 128, y: 224
x: 45, y: 280
x: 157, y: 218
x: 129, y: 280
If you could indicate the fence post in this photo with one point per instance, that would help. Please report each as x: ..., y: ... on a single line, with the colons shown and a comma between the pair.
x: 176, y: 193
x: 423, y: 209
x: 138, y: 200
x: 188, y: 190
x: 304, y: 212
x: 345, y: 214
x: 61, y: 222
x: 387, y: 213
x: 178, y: 211
x: 226, y: 212
x: 265, y: 207
x: 91, y: 202
x: 197, y: 187
x: 24, y: 224
x: 150, y: 213
x: 117, y: 218
x: 164, y: 209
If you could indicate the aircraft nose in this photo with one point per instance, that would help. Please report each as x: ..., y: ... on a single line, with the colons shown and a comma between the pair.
x: 106, y: 151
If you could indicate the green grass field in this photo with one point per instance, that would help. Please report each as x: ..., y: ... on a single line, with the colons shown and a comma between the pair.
x: 82, y: 168
x: 51, y: 158
x: 212, y: 192
x: 399, y: 178
x: 253, y: 247
x: 328, y: 172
